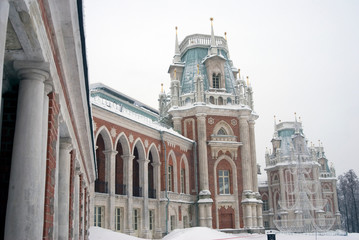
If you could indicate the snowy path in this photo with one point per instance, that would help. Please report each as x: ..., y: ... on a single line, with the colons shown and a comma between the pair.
x: 201, y: 233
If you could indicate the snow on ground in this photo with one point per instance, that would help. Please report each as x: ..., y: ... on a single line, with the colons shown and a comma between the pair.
x: 202, y: 233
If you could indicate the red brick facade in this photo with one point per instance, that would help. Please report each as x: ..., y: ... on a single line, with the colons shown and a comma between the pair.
x: 51, y: 153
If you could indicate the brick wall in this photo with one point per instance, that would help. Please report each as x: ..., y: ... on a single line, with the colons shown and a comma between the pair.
x: 51, y: 154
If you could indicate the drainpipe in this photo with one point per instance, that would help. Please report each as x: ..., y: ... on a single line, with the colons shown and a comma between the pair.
x: 166, y: 172
x: 196, y: 180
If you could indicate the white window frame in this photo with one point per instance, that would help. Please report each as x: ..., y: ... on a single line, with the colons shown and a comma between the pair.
x: 224, y: 188
x: 99, y: 216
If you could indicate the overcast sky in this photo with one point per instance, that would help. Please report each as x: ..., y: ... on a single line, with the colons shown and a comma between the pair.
x: 301, y: 56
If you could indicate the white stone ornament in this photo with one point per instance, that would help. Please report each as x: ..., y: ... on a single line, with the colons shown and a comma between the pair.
x: 146, y: 143
x: 234, y: 122
x: 113, y: 132
x: 94, y: 126
x: 210, y: 120
x: 130, y: 138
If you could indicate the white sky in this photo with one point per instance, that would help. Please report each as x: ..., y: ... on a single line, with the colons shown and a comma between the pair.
x: 301, y: 56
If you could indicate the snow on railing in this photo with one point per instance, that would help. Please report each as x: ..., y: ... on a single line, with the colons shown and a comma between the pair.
x: 201, y: 39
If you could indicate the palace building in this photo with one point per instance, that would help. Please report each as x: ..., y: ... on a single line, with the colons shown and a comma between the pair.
x: 300, y: 193
x: 193, y: 162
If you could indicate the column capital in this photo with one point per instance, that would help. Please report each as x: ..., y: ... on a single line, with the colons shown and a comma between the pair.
x: 65, y: 143
x: 251, y: 123
x: 145, y: 161
x: 48, y: 87
x: 32, y: 70
x: 201, y: 115
x: 241, y: 117
x: 128, y: 157
x: 110, y: 152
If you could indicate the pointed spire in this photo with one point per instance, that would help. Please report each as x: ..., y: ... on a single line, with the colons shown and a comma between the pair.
x: 225, y: 35
x: 239, y: 73
x: 175, y: 74
x: 177, y: 57
x: 213, y: 41
x: 296, y: 123
x: 197, y: 69
x: 161, y: 87
x: 247, y: 81
x: 177, y: 51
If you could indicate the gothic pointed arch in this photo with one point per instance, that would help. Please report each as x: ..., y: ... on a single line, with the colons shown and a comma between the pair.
x: 103, y: 144
x: 123, y: 150
x: 184, y: 175
x: 153, y: 171
x: 137, y: 168
x: 223, y: 127
x: 172, y: 172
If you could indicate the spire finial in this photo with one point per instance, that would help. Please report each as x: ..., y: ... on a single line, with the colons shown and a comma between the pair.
x: 295, y: 116
x: 175, y: 74
x: 177, y: 50
x: 213, y: 42
x: 225, y: 35
x: 197, y: 69
x: 239, y: 73
x: 161, y: 87
x: 247, y: 81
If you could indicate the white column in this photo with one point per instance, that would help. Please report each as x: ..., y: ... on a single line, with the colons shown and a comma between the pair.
x: 253, y: 156
x: 24, y: 213
x: 64, y: 187
x: 145, y: 216
x: 111, y: 179
x: 245, y: 154
x: 282, y: 190
x: 127, y: 160
x: 202, y: 152
x: 4, y: 15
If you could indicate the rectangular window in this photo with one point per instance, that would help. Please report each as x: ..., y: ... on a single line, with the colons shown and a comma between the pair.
x: 151, y: 216
x: 173, y: 219
x: 223, y: 179
x: 135, y: 219
x: 265, y: 205
x: 182, y: 180
x: 118, y: 216
x: 99, y: 216
x: 216, y: 80
x: 170, y: 171
x: 266, y: 224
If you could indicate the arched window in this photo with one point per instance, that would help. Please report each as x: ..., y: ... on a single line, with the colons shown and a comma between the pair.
x: 216, y: 78
x: 137, y: 190
x: 220, y: 101
x: 222, y: 131
x: 120, y: 187
x: 151, y: 187
x: 183, y: 180
x: 100, y: 183
x: 211, y: 99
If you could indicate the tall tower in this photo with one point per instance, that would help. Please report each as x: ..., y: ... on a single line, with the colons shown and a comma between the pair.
x: 212, y: 104
x: 301, y: 191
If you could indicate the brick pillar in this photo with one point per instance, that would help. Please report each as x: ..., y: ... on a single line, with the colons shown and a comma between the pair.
x: 51, y: 154
x: 71, y: 194
x: 81, y: 207
x: 25, y: 187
